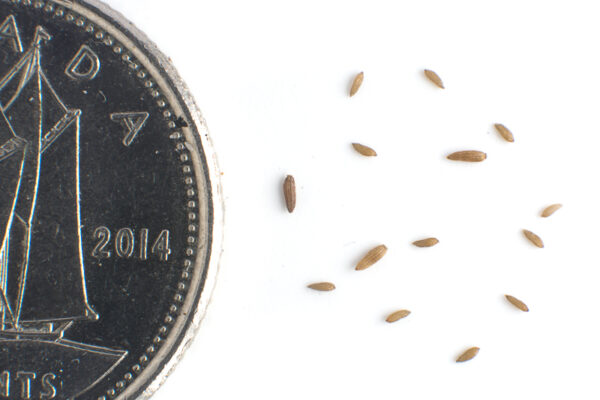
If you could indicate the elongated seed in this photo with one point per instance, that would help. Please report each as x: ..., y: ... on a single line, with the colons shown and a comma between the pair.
x: 289, y: 193
x: 429, y: 242
x: 364, y: 150
x: 358, y: 80
x: 468, y: 156
x: 517, y: 303
x: 548, y: 211
x: 468, y: 355
x: 398, y: 315
x: 533, y: 238
x: 505, y: 133
x: 435, y: 78
x: 371, y: 257
x: 322, y: 286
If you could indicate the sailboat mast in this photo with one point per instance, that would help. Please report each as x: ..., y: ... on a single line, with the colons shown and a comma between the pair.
x: 3, y: 300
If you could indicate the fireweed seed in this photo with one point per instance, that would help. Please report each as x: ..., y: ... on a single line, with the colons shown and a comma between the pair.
x: 356, y: 84
x: 468, y: 156
x: 289, y: 193
x: 371, y: 257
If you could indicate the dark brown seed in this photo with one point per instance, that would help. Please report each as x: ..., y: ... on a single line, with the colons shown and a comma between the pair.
x: 358, y: 80
x: 468, y: 156
x: 364, y: 150
x: 505, y: 133
x: 398, y: 315
x: 533, y: 238
x: 371, y: 257
x: 289, y: 193
x: 433, y: 77
x: 322, y: 286
x: 548, y: 211
x: 429, y: 242
x: 468, y: 355
x: 517, y: 303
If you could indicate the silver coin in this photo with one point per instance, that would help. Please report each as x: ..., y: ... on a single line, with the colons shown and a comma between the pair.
x: 110, y: 212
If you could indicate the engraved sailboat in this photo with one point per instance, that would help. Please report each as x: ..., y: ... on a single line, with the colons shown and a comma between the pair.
x: 42, y: 274
x: 40, y: 253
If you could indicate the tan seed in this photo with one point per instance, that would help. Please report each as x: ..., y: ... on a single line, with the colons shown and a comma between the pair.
x: 548, y: 211
x: 505, y: 133
x: 364, y: 150
x: 435, y: 78
x: 468, y: 156
x: 398, y: 315
x: 533, y: 238
x: 289, y: 193
x: 517, y: 303
x: 322, y: 286
x: 371, y: 257
x: 468, y: 355
x: 358, y: 80
x: 429, y: 242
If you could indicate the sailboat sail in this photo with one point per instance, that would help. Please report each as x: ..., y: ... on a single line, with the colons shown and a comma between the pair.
x: 40, y: 237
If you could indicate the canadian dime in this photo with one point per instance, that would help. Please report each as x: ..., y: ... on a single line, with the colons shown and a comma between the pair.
x: 110, y: 213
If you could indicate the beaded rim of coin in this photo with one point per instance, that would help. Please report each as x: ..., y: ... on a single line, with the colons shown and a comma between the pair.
x: 150, y: 379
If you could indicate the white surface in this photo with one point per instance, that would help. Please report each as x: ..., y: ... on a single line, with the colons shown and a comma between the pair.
x: 272, y: 78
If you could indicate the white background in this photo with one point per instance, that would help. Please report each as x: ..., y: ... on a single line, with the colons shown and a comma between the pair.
x: 272, y: 79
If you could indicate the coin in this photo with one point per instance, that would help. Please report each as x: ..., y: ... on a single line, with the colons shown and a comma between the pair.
x: 109, y: 206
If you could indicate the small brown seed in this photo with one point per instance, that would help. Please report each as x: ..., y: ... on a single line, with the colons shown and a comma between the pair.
x: 398, y: 315
x: 533, y: 238
x: 517, y: 303
x: 435, y: 78
x: 358, y: 80
x: 289, y: 193
x: 468, y: 156
x: 371, y: 257
x: 468, y: 355
x: 364, y: 150
x: 548, y: 211
x: 429, y: 242
x: 322, y: 286
x: 505, y: 133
